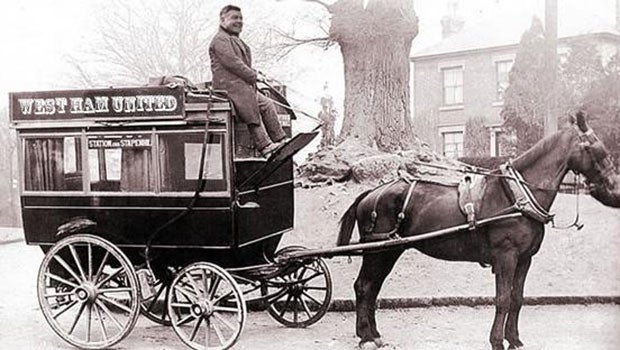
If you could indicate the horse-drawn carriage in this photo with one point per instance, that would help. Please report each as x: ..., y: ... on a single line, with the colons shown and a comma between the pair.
x: 151, y: 200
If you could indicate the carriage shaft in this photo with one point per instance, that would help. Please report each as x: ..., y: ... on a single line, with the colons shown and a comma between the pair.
x: 362, y: 248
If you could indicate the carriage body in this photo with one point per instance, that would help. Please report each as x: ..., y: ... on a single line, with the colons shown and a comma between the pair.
x: 152, y: 200
x: 120, y: 163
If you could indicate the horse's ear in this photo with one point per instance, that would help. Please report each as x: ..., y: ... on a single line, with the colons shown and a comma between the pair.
x: 581, y: 121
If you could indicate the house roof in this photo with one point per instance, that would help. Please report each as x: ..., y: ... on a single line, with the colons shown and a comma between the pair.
x: 505, y: 30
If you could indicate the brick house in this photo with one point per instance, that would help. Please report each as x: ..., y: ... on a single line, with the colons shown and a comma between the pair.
x: 465, y: 74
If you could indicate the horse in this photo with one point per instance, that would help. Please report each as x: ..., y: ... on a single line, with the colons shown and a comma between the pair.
x: 506, y: 245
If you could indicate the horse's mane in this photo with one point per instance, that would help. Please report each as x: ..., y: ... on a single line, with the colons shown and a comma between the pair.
x: 542, y: 147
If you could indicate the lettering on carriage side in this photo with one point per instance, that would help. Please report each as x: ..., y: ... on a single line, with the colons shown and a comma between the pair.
x: 25, y: 104
x: 61, y: 104
x: 130, y: 143
x: 76, y: 105
x: 144, y: 103
x: 130, y: 104
x: 89, y: 106
x: 117, y: 104
x: 100, y: 143
x: 101, y: 104
x: 42, y: 105
x: 165, y: 103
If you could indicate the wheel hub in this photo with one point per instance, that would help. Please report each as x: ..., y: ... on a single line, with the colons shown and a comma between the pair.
x: 202, y: 308
x: 296, y: 289
x: 87, y: 292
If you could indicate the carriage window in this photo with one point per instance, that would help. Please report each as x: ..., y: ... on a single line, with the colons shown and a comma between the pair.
x: 52, y: 164
x: 121, y: 163
x: 179, y: 157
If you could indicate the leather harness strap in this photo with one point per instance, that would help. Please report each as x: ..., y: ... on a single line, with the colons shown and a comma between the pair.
x: 525, y: 201
x: 393, y: 234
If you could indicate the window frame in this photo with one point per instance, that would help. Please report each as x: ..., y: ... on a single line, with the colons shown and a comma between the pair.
x: 460, y: 151
x: 22, y: 137
x: 444, y: 88
x: 82, y: 135
x: 226, y: 164
x: 499, y: 97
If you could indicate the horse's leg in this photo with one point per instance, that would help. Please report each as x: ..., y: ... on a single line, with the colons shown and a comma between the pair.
x: 516, y: 300
x: 374, y: 270
x: 504, y: 267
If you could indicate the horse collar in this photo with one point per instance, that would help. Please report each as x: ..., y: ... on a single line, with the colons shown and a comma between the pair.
x: 525, y: 201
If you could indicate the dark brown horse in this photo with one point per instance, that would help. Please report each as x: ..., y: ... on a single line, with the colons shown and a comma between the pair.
x: 507, y: 245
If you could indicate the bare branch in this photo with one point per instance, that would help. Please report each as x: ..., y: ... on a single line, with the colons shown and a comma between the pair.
x: 291, y: 42
x: 327, y: 6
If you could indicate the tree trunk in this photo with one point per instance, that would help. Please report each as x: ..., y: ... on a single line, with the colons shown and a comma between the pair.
x: 375, y: 43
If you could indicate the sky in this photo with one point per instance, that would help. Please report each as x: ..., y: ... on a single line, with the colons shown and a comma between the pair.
x: 38, y: 35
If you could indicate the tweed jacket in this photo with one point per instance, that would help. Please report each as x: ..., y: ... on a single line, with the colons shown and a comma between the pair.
x: 231, y: 67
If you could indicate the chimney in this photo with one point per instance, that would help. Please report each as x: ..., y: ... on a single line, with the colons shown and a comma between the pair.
x: 452, y: 23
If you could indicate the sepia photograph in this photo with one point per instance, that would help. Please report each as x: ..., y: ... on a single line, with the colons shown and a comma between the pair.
x: 310, y: 174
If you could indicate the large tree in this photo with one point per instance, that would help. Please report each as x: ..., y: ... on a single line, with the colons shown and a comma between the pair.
x: 528, y: 96
x: 601, y: 101
x: 375, y: 38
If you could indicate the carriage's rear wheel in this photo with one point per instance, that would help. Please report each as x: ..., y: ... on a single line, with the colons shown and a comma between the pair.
x: 88, y: 292
x: 206, y: 307
x: 154, y: 304
x: 302, y: 293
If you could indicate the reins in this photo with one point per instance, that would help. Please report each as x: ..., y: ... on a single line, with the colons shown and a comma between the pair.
x: 486, y: 172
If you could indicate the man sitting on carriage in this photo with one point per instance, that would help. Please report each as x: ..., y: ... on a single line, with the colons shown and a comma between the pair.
x: 231, y: 66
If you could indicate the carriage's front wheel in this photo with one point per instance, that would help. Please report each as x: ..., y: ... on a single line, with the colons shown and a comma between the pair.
x: 303, y: 291
x: 88, y: 292
x: 206, y: 307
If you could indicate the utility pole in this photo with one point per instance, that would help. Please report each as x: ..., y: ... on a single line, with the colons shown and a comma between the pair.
x: 551, y: 36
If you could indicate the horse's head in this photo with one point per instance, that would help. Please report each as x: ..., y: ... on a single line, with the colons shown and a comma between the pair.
x: 592, y: 159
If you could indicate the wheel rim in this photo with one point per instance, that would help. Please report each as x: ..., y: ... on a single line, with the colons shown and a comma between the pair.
x: 155, y: 307
x: 206, y: 307
x: 302, y: 296
x: 88, y: 292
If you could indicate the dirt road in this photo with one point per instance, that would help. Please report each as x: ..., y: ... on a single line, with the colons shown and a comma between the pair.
x: 22, y: 325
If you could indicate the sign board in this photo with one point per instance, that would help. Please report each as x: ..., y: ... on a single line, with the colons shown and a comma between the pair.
x: 120, y: 141
x: 134, y: 103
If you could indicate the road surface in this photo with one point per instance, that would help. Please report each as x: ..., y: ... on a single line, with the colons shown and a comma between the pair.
x: 22, y: 325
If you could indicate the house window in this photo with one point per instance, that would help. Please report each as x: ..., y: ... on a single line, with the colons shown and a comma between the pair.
x: 502, y: 71
x: 453, y: 144
x: 452, y: 85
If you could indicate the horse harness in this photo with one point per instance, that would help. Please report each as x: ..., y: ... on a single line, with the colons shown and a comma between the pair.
x: 469, y: 201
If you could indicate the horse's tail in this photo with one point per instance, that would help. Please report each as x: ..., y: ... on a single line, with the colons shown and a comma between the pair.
x: 347, y: 221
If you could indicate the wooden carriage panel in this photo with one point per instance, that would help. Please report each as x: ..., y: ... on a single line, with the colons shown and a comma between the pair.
x: 129, y: 221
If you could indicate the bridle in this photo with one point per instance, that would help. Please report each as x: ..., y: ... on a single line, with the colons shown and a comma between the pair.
x: 603, y: 167
x: 602, y: 163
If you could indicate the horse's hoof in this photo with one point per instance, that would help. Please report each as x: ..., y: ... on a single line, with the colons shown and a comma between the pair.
x: 368, y: 345
x: 379, y: 342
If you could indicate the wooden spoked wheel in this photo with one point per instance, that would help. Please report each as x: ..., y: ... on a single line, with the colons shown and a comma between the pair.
x: 88, y: 292
x: 154, y: 307
x: 303, y: 291
x: 206, y: 307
